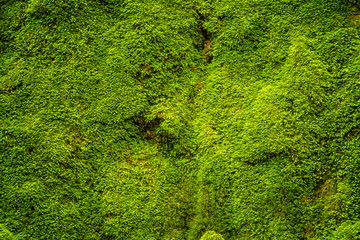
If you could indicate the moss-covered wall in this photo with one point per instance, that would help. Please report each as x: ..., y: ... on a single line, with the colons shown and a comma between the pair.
x: 179, y: 119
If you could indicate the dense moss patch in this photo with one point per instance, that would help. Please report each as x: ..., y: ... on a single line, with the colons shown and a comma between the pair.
x: 179, y: 119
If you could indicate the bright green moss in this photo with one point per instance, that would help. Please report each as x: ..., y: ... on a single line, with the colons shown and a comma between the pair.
x: 179, y: 119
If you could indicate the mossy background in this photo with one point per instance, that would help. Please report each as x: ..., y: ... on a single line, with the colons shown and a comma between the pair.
x: 179, y: 119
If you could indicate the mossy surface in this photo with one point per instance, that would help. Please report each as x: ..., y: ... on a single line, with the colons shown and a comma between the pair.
x: 179, y: 119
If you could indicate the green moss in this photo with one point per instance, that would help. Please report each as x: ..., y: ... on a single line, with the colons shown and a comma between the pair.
x: 171, y: 119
